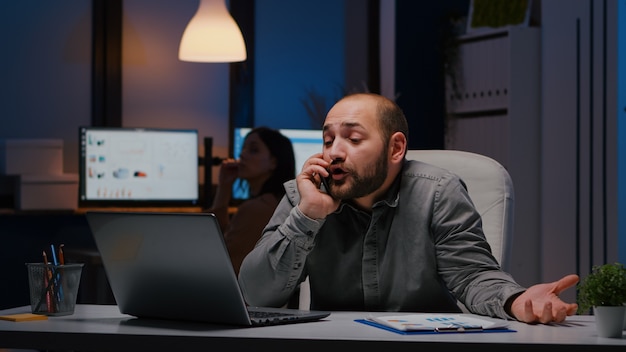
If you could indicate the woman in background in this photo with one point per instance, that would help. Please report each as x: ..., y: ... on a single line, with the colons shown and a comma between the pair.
x: 266, y: 162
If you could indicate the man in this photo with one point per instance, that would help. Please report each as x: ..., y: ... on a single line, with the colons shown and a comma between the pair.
x: 388, y: 235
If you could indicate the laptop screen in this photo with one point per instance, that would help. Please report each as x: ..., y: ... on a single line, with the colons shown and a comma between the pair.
x: 174, y: 266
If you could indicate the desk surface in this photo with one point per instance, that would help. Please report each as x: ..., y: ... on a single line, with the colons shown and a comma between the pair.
x: 102, y: 327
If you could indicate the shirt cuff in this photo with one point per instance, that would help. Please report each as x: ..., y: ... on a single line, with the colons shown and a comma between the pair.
x: 301, y: 229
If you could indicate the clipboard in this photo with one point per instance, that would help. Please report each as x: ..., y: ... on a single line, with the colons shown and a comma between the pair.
x: 425, y: 323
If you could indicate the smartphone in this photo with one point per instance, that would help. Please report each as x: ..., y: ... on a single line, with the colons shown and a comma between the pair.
x: 325, y: 183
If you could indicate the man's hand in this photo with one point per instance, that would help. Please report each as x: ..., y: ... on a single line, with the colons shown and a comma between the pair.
x: 313, y: 202
x: 541, y: 303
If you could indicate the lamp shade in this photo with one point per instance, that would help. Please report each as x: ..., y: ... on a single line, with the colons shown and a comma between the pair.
x: 212, y: 35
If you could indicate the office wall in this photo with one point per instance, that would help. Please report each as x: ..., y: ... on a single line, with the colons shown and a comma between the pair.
x: 579, y: 142
x: 621, y: 125
x: 299, y: 48
x: 419, y: 63
x: 46, y: 71
x: 160, y: 91
x: 388, y: 49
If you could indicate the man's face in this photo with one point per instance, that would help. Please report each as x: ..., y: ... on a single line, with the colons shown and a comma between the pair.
x: 353, y: 144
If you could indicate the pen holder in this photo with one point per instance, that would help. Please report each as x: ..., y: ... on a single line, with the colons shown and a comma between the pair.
x: 53, y: 288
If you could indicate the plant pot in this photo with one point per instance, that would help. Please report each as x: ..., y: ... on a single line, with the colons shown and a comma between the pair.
x: 624, y: 327
x: 610, y: 320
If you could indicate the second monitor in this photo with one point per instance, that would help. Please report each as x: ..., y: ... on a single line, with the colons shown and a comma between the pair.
x: 305, y: 143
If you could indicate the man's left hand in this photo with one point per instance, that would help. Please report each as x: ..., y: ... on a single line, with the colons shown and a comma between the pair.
x: 541, y: 302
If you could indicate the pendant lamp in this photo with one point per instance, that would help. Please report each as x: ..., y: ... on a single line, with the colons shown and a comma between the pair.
x: 212, y: 35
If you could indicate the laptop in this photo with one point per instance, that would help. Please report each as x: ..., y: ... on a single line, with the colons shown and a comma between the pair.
x: 176, y: 266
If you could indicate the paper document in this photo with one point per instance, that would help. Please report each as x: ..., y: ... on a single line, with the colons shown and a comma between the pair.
x: 439, y: 322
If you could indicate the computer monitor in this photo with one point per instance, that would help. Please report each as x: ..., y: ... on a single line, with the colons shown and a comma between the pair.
x: 136, y: 167
x: 305, y: 143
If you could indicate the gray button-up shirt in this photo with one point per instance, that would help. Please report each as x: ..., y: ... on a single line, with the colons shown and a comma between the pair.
x: 420, y: 249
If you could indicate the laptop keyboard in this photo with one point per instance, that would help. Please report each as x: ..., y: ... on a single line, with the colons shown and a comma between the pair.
x: 270, y: 318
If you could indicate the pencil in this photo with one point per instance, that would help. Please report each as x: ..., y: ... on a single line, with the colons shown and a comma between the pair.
x: 61, y: 257
x: 47, y: 283
x: 61, y: 273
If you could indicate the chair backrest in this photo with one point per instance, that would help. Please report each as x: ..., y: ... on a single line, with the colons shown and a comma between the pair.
x: 489, y: 186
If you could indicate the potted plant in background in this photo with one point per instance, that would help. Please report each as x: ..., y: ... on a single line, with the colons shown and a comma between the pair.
x: 604, y: 290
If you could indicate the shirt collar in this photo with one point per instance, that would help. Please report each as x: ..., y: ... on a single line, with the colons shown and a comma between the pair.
x: 393, y: 194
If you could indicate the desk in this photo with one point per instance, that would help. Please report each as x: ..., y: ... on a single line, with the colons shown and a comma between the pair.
x: 103, y: 328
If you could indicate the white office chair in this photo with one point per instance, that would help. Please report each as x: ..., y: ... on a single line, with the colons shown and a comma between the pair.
x: 491, y: 189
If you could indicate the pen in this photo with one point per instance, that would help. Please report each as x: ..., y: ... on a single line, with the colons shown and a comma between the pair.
x: 57, y: 277
x: 54, y: 255
x: 457, y: 328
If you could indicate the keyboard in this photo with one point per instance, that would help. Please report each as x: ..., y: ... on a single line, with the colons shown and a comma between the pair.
x: 276, y: 316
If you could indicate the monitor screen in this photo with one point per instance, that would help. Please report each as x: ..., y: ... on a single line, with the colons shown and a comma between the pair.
x: 138, y: 167
x: 305, y: 143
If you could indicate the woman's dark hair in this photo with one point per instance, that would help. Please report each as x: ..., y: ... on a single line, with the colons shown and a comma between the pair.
x: 280, y: 148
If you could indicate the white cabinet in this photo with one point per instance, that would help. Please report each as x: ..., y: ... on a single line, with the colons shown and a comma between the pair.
x: 495, y: 111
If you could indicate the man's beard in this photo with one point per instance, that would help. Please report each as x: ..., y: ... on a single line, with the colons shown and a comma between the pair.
x: 362, y: 185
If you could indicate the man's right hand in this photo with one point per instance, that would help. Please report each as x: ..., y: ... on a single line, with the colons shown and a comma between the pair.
x: 315, y: 203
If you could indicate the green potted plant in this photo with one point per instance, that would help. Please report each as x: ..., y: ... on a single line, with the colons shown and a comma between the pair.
x: 604, y: 290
